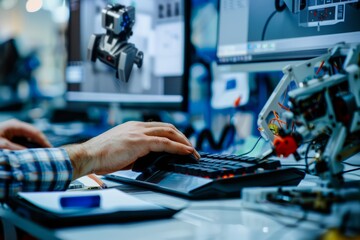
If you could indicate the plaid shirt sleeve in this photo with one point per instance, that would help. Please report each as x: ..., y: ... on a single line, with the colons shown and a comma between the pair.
x: 47, y: 169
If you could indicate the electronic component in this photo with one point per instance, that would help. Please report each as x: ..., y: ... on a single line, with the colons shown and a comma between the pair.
x: 331, y: 209
x: 318, y: 13
x: 323, y: 12
x: 113, y: 48
x: 323, y: 108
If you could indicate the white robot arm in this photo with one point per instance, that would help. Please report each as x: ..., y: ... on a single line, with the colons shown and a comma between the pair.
x: 324, y: 102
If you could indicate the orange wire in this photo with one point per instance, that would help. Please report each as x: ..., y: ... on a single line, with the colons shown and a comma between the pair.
x: 319, y: 69
x: 278, y: 120
x: 283, y: 107
x: 276, y: 114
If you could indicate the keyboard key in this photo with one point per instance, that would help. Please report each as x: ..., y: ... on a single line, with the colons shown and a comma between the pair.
x: 219, y: 166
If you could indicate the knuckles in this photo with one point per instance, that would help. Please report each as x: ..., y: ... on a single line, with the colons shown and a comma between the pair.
x: 170, y: 131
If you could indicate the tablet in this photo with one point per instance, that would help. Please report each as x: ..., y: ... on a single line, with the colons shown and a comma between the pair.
x: 62, y: 209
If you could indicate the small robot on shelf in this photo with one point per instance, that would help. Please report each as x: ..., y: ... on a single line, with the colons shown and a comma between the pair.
x: 113, y: 48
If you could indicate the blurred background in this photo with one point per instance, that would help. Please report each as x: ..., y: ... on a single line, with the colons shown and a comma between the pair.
x: 33, y: 49
x: 46, y: 79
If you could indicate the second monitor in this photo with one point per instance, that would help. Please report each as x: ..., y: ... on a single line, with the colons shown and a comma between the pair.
x: 282, y: 30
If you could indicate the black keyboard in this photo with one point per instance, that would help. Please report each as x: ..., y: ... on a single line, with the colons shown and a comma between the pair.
x: 215, y: 176
x: 217, y: 166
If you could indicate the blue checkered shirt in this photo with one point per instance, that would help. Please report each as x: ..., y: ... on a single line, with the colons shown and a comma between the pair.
x: 47, y: 169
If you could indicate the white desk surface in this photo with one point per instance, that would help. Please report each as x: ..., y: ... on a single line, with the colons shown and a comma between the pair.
x: 210, y: 219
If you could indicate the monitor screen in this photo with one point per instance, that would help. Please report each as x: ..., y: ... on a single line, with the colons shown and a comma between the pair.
x: 160, y: 31
x: 281, y: 30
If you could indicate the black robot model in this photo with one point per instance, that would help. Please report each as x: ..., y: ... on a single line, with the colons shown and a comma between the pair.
x: 113, y: 48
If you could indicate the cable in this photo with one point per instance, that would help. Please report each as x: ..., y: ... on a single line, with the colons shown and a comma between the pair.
x: 266, y: 24
x: 319, y: 69
x: 351, y: 164
x: 314, y: 141
x: 279, y: 7
x: 306, y: 157
x: 293, y: 165
x: 351, y: 170
x: 257, y: 141
x: 207, y: 135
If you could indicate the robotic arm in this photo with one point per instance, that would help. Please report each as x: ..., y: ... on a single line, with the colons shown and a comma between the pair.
x: 113, y: 48
x: 323, y: 107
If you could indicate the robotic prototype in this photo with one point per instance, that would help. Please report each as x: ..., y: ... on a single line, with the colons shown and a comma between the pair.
x: 317, y: 102
x: 113, y: 48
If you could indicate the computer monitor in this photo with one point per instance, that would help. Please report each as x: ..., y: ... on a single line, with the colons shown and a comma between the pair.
x: 160, y: 31
x: 284, y: 30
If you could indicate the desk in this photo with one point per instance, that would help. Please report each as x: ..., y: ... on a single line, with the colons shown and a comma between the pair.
x: 211, y: 219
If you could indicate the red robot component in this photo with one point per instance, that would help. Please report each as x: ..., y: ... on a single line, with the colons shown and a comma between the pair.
x: 285, y: 146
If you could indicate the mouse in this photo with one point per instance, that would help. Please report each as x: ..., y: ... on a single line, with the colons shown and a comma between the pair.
x: 159, y: 160
x: 23, y: 141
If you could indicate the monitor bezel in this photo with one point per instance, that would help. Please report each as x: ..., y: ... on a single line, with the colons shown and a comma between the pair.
x: 269, y: 61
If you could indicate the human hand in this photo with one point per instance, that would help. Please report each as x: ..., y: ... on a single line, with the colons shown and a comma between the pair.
x: 122, y: 145
x: 14, y: 128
